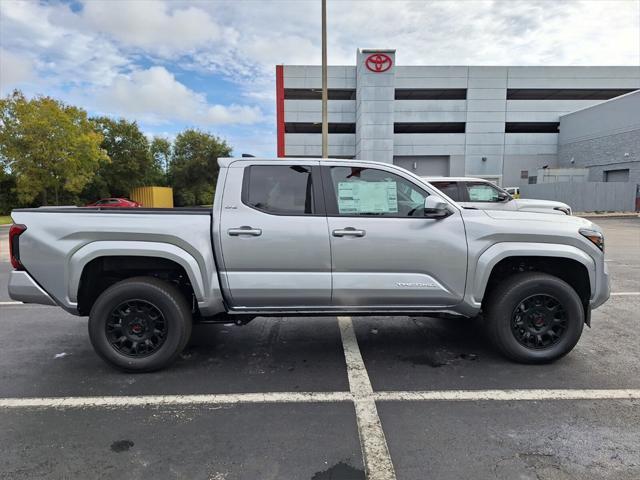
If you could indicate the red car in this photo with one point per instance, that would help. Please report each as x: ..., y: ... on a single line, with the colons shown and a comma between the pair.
x: 114, y: 203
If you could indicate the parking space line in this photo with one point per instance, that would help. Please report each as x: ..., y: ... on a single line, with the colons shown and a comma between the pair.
x: 320, y: 397
x: 510, y: 395
x: 622, y: 294
x: 11, y: 303
x: 375, y: 452
x: 170, y: 400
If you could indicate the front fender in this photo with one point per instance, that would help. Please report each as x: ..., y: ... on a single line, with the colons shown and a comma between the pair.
x: 494, y: 254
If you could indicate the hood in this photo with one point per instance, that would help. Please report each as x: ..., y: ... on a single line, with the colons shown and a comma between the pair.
x: 541, y: 217
x: 525, y: 203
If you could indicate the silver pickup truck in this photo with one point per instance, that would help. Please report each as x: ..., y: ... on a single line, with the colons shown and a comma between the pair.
x: 300, y: 237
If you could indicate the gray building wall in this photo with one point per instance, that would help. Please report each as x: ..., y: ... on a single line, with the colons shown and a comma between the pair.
x: 375, y: 95
x: 483, y: 150
x: 602, y: 138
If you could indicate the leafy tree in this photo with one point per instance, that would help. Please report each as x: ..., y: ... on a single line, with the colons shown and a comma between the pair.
x: 194, y: 167
x: 8, y: 198
x: 161, y: 153
x: 50, y: 147
x: 131, y: 162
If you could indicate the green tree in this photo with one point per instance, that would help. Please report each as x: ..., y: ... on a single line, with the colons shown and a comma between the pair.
x: 194, y: 168
x: 161, y: 153
x: 50, y: 147
x: 160, y: 150
x: 131, y: 165
x: 8, y: 197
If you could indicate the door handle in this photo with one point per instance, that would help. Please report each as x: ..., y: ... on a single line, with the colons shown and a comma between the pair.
x: 349, y: 231
x: 244, y: 230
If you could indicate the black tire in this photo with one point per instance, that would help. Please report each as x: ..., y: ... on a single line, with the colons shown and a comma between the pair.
x: 534, y: 317
x: 151, y: 319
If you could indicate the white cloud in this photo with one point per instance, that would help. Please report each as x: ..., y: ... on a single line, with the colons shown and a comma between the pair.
x: 155, y: 96
x: 61, y: 52
x: 154, y: 27
x: 14, y: 70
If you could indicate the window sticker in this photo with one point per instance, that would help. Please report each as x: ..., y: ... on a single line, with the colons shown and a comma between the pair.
x: 360, y: 197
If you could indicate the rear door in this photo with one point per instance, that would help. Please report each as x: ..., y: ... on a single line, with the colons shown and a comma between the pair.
x: 274, y: 237
x: 385, y: 253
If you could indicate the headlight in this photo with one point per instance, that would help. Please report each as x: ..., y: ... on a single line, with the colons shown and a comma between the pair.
x: 594, y: 237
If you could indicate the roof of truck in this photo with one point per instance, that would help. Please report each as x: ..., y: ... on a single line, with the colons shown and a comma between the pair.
x: 454, y: 179
x: 227, y: 161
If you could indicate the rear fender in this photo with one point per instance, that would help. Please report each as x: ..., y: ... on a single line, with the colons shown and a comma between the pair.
x: 206, y: 290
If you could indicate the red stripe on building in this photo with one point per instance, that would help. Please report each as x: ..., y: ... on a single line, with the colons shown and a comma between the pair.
x: 280, y: 108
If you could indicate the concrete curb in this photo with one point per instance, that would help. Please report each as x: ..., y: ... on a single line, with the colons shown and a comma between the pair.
x: 608, y: 215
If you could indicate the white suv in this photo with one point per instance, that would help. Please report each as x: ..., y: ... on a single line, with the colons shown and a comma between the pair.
x: 484, y: 195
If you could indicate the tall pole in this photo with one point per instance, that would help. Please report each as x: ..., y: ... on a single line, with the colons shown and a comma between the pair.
x: 325, y: 121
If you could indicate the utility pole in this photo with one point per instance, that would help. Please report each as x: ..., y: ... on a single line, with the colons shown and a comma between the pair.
x: 325, y: 120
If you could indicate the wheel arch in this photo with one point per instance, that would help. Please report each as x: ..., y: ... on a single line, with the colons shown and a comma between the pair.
x: 563, y: 261
x: 125, y: 260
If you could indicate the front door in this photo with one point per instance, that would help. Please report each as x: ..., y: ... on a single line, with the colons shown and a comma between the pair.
x: 275, y: 243
x: 385, y: 253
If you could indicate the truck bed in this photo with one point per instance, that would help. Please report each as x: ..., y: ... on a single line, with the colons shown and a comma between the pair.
x: 156, y: 211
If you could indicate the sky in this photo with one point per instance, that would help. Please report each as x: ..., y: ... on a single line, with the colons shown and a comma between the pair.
x: 210, y: 65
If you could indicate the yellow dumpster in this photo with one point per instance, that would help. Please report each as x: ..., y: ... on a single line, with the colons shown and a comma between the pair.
x: 153, y: 197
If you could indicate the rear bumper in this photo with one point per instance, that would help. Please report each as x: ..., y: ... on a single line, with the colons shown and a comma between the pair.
x: 23, y: 288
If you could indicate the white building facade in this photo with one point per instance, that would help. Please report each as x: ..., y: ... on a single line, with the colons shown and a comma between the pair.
x: 499, y: 123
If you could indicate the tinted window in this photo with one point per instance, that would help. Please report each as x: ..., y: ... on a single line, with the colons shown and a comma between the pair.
x: 368, y: 191
x: 450, y: 189
x: 279, y: 189
x: 483, y: 192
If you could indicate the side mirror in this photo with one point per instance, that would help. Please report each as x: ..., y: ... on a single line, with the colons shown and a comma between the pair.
x: 502, y: 197
x: 436, y: 207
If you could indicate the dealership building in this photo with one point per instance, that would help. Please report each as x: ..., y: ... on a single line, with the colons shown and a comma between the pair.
x: 497, y: 122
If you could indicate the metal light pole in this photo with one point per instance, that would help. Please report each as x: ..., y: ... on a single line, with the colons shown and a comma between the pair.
x: 325, y: 121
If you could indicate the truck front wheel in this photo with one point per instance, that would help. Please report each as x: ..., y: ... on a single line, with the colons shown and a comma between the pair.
x: 534, y: 317
x: 140, y: 324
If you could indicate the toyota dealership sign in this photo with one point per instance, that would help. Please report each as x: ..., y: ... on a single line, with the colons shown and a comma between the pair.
x: 378, y: 62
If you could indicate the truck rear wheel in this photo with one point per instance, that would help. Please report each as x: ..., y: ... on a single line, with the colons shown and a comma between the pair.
x: 140, y: 324
x: 534, y: 317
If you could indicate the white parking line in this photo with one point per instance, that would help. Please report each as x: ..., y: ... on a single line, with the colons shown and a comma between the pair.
x: 169, y: 400
x: 623, y: 294
x: 510, y: 395
x: 319, y: 397
x: 11, y: 303
x: 375, y: 452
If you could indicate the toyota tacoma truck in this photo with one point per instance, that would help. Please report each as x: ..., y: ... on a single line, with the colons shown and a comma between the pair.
x: 301, y: 237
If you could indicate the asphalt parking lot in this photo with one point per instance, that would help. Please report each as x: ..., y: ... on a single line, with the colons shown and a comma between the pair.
x: 326, y: 398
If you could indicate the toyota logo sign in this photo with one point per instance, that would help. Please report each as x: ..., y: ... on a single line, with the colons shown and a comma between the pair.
x: 378, y: 62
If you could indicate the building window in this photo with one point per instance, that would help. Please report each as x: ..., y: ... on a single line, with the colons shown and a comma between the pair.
x: 533, y: 179
x: 429, y: 127
x: 531, y: 127
x: 565, y: 93
x: 316, y: 94
x: 281, y: 190
x: 299, y: 127
x: 616, y: 175
x: 524, y: 174
x: 431, y: 94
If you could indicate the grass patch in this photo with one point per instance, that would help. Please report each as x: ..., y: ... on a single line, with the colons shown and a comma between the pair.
x: 5, y: 219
